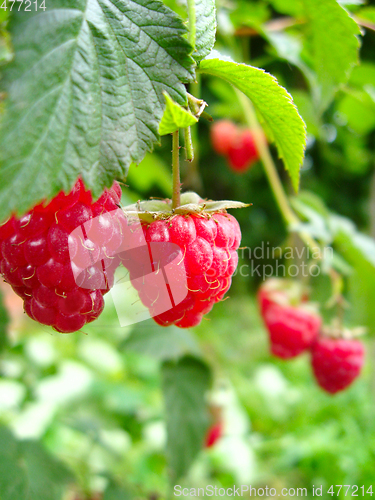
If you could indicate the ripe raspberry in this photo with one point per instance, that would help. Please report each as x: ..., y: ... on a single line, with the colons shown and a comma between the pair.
x: 223, y: 135
x: 195, y: 254
x: 214, y: 434
x: 336, y: 362
x: 243, y: 153
x: 292, y: 328
x: 60, y: 274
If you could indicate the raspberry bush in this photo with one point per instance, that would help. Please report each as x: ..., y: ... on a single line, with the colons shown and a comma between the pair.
x: 223, y: 383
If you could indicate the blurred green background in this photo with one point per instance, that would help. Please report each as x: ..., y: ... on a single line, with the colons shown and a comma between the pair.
x: 84, y: 416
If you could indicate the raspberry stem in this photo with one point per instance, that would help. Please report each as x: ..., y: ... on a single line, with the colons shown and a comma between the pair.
x: 192, y: 178
x: 281, y: 198
x: 176, y: 170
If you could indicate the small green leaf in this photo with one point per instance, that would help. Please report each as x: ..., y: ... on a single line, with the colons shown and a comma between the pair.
x: 175, y: 117
x: 273, y: 103
x: 334, y: 46
x: 85, y: 94
x: 185, y: 384
x: 205, y: 28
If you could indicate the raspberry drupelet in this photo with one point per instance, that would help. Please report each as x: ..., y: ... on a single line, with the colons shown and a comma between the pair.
x: 48, y: 266
x: 201, y: 250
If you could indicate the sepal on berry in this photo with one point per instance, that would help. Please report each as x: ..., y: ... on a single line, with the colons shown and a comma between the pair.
x: 199, y: 240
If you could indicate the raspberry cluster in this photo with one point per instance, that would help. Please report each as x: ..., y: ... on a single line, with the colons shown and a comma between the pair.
x: 294, y: 327
x: 62, y: 276
x: 236, y: 144
x: 195, y: 254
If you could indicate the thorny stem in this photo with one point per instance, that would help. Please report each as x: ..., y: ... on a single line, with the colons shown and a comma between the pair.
x: 192, y: 178
x: 290, y: 218
x: 189, y: 150
x: 176, y: 170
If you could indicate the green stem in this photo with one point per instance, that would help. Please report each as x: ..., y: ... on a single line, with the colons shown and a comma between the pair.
x: 192, y: 179
x: 192, y: 22
x: 189, y: 150
x: 176, y: 170
x: 273, y: 178
x: 281, y: 198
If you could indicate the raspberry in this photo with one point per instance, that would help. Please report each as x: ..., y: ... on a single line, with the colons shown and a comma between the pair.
x: 242, y: 153
x: 214, y: 434
x: 223, y: 135
x: 52, y: 256
x: 292, y: 328
x: 336, y: 362
x: 195, y: 254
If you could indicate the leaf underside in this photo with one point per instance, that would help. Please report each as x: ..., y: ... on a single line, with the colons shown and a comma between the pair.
x: 85, y: 94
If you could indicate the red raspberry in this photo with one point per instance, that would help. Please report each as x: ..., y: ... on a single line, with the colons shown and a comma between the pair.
x: 60, y: 274
x: 242, y: 153
x: 214, y: 434
x: 194, y: 254
x: 292, y: 328
x: 336, y: 362
x: 223, y: 135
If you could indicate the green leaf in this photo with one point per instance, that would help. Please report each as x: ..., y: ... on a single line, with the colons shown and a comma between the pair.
x: 359, y: 109
x: 13, y: 481
x: 116, y: 492
x: 185, y: 384
x: 334, y: 46
x: 366, y: 13
x: 175, y: 117
x: 161, y: 343
x: 4, y: 320
x: 274, y: 105
x: 205, y: 27
x: 46, y: 476
x: 359, y: 251
x: 250, y: 14
x: 28, y: 472
x: 289, y: 7
x: 85, y: 94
